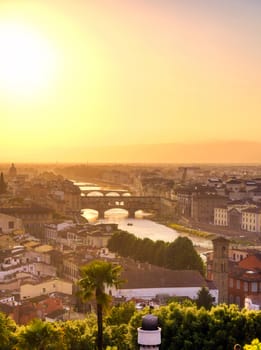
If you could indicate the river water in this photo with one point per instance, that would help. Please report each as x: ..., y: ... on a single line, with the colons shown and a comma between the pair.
x: 141, y: 226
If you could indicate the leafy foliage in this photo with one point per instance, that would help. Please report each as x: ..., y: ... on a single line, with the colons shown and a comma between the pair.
x: 121, y: 314
x: 183, y: 327
x: 178, y: 255
x: 7, y: 329
x: 39, y: 335
x: 255, y: 345
x: 204, y: 298
x: 95, y: 277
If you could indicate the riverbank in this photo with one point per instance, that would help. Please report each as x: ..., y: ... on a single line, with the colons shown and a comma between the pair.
x: 191, y: 231
x: 207, y: 231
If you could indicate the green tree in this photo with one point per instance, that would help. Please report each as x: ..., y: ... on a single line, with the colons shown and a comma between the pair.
x: 204, y: 298
x: 7, y: 328
x: 40, y: 335
x: 80, y: 334
x: 178, y: 255
x: 96, y: 276
x: 121, y: 314
x: 181, y: 255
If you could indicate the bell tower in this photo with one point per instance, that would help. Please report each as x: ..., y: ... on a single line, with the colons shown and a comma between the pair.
x: 12, y: 171
x: 220, y: 267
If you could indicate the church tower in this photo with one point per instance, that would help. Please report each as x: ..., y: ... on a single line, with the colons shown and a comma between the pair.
x: 220, y: 267
x: 12, y: 171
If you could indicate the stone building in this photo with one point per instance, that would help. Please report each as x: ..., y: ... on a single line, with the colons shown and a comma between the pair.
x: 245, y: 280
x: 9, y: 223
x: 220, y: 267
x: 203, y: 205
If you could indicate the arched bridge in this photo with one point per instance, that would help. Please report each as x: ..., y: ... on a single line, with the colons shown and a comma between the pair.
x: 130, y: 203
x: 111, y: 193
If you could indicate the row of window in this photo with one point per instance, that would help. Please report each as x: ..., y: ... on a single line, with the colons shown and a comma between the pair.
x: 221, y: 222
x: 249, y: 227
x: 247, y: 286
x: 245, y: 219
x: 221, y: 215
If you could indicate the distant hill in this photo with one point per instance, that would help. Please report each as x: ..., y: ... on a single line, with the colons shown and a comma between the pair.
x: 205, y: 152
x: 202, y: 152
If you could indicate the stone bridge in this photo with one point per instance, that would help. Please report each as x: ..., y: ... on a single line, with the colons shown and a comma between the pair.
x: 130, y: 203
x: 111, y: 193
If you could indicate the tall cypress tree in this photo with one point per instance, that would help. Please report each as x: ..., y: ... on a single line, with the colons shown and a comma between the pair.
x: 3, y: 185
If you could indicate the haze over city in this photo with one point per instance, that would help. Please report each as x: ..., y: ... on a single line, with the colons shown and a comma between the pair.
x: 130, y: 81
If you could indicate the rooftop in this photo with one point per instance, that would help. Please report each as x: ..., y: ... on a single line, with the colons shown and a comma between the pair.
x: 157, y: 277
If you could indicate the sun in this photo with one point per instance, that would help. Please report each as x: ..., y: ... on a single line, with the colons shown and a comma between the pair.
x: 27, y: 60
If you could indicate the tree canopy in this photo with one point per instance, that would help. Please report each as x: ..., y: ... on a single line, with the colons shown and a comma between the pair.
x: 204, y: 299
x: 183, y: 327
x: 177, y: 255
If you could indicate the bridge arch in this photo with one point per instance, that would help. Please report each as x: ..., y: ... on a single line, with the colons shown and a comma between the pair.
x: 112, y: 194
x: 95, y: 193
x: 90, y: 214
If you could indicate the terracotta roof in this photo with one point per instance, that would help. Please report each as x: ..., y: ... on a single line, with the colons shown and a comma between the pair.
x: 56, y: 313
x: 26, y: 210
x: 250, y: 275
x: 248, y: 269
x: 156, y: 277
x: 251, y: 262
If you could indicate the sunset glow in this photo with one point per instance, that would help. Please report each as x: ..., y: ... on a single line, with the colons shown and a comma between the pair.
x: 79, y: 76
x: 26, y: 63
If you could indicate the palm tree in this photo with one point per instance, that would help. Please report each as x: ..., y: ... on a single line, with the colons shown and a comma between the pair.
x: 95, y: 277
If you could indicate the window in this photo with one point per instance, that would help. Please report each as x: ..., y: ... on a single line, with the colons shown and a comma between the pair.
x: 231, y: 282
x: 254, y: 286
x: 238, y: 284
x: 44, y: 290
x: 10, y: 224
x: 245, y: 287
x: 223, y: 267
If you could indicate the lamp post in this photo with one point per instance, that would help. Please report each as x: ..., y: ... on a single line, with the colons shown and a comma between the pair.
x: 149, y: 334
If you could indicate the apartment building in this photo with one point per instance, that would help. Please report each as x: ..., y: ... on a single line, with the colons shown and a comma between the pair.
x: 251, y: 219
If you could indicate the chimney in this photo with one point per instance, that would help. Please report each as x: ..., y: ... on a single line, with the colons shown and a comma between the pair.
x: 149, y: 335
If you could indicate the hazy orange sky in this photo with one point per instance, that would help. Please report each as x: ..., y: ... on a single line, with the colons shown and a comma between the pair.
x: 76, y: 75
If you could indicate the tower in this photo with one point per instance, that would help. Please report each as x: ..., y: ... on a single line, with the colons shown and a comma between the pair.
x: 3, y: 185
x: 12, y: 171
x: 220, y: 267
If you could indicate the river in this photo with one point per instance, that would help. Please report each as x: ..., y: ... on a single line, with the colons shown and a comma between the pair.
x: 141, y: 226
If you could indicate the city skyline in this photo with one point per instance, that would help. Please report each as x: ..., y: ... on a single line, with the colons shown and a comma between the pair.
x: 80, y: 79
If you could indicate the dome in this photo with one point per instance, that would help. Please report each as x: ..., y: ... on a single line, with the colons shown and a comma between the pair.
x: 12, y: 170
x: 149, y: 323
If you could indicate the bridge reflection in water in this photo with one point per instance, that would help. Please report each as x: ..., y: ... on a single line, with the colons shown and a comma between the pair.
x: 113, y: 215
x: 130, y: 203
x: 142, y: 227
